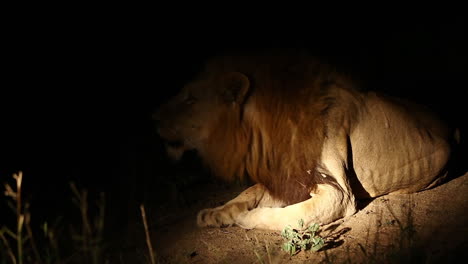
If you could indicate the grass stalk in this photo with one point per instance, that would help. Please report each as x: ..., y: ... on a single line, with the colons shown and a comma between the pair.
x: 7, y: 246
x: 20, y: 219
x: 148, y: 238
x: 31, y: 237
x: 16, y: 196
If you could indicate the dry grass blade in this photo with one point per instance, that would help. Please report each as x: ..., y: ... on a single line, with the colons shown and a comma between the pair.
x: 7, y: 245
x: 31, y: 237
x: 148, y: 239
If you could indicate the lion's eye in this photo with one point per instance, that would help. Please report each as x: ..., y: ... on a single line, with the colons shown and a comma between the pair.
x: 190, y: 99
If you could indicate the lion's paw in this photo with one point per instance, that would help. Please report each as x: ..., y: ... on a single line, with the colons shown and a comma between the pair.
x: 214, y: 218
x: 221, y: 216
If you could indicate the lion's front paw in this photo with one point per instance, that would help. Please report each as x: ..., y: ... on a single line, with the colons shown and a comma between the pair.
x: 213, y: 218
x: 221, y: 216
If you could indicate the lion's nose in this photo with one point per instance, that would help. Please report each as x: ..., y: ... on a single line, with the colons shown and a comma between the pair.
x: 156, y: 116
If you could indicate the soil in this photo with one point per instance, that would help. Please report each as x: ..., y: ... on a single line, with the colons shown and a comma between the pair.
x: 425, y: 227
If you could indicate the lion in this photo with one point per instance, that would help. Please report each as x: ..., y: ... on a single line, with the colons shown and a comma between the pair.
x: 311, y: 141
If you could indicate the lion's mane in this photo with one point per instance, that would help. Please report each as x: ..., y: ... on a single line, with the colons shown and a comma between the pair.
x: 276, y: 137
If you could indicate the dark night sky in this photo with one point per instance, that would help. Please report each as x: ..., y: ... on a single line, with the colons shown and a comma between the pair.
x: 78, y: 89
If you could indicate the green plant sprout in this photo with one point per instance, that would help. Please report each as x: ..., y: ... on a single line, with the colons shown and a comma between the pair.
x: 297, y: 240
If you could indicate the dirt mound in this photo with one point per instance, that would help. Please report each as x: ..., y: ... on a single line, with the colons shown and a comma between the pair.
x: 428, y: 227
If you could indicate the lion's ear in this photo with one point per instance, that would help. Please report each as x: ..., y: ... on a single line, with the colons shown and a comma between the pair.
x: 235, y: 87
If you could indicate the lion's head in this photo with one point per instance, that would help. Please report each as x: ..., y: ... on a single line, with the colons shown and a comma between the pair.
x: 188, y: 121
x: 251, y: 116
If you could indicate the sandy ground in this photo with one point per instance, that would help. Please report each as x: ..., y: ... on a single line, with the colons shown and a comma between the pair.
x: 426, y: 227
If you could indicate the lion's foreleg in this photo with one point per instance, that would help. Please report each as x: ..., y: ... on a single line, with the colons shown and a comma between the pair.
x: 326, y: 205
x: 227, y: 214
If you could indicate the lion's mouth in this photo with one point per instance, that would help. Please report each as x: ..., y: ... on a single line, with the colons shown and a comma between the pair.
x: 175, y: 143
x: 175, y: 149
x: 170, y: 138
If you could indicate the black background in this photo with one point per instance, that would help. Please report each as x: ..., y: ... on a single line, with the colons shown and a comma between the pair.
x: 79, y: 84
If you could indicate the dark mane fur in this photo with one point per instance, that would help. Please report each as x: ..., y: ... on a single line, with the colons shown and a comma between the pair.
x: 276, y: 137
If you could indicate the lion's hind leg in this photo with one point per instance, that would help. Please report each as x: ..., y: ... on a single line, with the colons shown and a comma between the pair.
x: 227, y: 214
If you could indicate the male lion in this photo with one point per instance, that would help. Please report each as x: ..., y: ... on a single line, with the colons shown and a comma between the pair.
x: 310, y: 140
